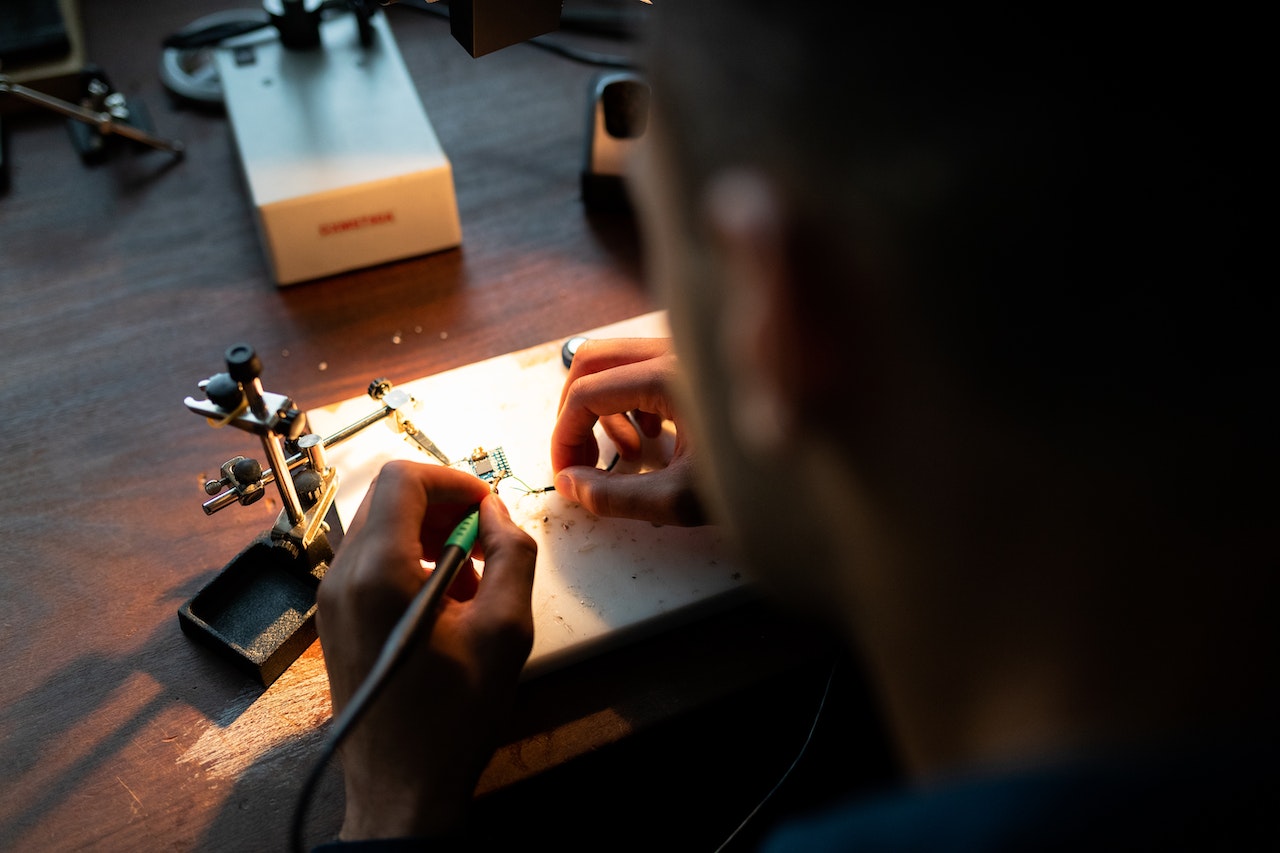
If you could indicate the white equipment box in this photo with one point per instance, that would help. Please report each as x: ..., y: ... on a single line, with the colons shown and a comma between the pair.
x: 343, y: 166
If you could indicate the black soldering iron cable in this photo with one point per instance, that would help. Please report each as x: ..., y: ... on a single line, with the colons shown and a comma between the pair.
x: 417, y: 620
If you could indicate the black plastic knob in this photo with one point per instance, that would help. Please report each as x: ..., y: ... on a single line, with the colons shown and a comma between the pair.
x: 298, y: 22
x: 224, y: 392
x: 309, y: 486
x: 247, y: 471
x: 243, y: 363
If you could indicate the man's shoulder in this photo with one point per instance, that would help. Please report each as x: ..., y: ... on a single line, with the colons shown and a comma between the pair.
x: 1188, y: 797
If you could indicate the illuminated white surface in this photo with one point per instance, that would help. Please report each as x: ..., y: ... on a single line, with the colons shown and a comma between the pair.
x: 599, y: 581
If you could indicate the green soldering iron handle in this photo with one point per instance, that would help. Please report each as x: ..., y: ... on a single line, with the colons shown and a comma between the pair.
x: 456, y: 550
x: 461, y: 540
x: 418, y: 617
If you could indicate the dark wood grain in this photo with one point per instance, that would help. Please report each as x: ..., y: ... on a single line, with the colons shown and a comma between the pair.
x: 121, y: 286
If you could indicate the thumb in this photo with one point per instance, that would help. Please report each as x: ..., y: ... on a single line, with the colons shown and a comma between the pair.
x: 567, y: 480
x: 645, y: 497
x: 666, y: 496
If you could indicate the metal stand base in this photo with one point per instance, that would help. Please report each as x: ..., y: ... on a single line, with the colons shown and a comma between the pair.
x: 259, y: 610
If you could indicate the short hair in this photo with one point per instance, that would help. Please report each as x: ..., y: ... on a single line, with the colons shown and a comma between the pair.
x: 1063, y: 194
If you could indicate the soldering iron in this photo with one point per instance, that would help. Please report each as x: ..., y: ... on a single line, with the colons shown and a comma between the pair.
x: 417, y: 621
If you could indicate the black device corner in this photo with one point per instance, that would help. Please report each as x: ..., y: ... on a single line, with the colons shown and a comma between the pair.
x: 617, y: 118
x: 259, y: 610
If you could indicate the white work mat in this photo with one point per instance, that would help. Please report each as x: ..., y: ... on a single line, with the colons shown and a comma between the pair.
x: 599, y: 581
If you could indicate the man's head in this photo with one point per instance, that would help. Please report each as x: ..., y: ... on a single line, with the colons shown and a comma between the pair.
x: 964, y: 301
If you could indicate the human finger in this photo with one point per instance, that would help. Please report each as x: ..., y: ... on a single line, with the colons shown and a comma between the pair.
x: 505, y: 593
x: 599, y: 354
x: 622, y: 432
x: 622, y: 389
x: 397, y: 500
x: 667, y: 496
x: 650, y: 423
x: 404, y: 518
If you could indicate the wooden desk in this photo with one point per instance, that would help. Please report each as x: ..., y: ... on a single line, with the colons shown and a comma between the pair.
x: 121, y: 287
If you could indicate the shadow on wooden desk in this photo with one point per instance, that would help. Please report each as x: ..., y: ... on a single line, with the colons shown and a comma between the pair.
x: 591, y: 761
x: 735, y: 700
x: 668, y: 742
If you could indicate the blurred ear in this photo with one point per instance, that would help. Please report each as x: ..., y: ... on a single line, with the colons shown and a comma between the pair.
x: 762, y: 344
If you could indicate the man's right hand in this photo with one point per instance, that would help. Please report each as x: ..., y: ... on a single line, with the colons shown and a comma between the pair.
x: 412, y: 764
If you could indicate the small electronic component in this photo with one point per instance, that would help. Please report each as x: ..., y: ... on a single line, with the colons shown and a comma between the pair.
x: 570, y: 349
x: 489, y: 465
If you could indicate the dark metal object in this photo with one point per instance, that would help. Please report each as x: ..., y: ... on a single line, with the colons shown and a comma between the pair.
x: 259, y: 610
x: 397, y: 401
x: 102, y: 115
x: 298, y: 22
x: 483, y: 26
x: 617, y: 119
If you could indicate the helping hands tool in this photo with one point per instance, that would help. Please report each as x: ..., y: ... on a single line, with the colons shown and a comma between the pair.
x: 395, y: 400
x: 260, y: 608
x: 111, y: 119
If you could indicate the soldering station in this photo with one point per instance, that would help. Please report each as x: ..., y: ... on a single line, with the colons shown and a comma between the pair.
x: 342, y: 170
